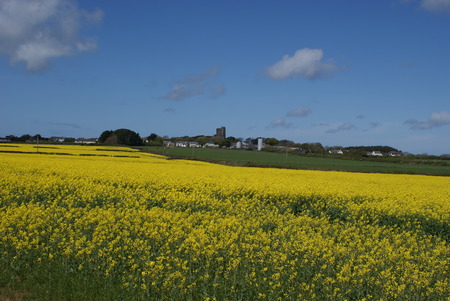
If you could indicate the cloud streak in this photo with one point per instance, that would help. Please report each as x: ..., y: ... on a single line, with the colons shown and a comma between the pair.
x: 72, y: 125
x: 194, y: 85
x: 343, y: 127
x: 299, y: 112
x: 217, y: 91
x: 436, y: 119
x: 183, y: 91
x: 198, y: 78
x: 34, y: 32
x: 280, y: 122
x: 436, y: 6
x: 305, y: 63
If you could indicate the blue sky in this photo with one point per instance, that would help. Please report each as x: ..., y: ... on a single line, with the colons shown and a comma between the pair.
x: 336, y: 72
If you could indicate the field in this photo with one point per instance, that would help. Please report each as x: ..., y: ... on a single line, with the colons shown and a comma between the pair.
x: 99, y: 223
x: 295, y: 161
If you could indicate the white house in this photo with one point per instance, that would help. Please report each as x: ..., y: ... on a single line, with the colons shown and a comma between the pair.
x: 375, y: 153
x: 395, y: 154
x: 86, y: 141
x: 168, y: 143
x: 194, y: 144
x: 57, y: 139
x: 182, y: 144
x: 336, y: 152
x: 211, y: 145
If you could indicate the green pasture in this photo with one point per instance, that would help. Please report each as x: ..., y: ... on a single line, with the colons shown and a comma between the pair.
x: 295, y: 161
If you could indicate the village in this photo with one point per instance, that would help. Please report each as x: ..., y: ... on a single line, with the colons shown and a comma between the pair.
x: 220, y: 140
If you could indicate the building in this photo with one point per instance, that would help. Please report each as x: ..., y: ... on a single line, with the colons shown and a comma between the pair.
x: 260, y: 144
x: 182, y: 144
x: 395, y: 154
x: 210, y: 145
x: 336, y: 152
x: 374, y: 153
x: 57, y: 139
x: 220, y: 133
x: 194, y: 144
x: 86, y: 141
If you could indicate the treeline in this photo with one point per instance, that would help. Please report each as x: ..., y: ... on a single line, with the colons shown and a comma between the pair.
x: 25, y: 138
x: 383, y: 149
x: 131, y: 138
x: 121, y: 136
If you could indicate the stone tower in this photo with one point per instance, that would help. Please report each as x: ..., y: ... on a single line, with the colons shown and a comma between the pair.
x: 220, y: 133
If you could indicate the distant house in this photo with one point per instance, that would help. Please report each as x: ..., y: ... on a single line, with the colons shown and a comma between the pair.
x: 211, y: 145
x: 395, y: 154
x: 194, y: 144
x: 57, y: 139
x: 301, y: 150
x: 181, y: 144
x: 336, y: 152
x: 86, y: 141
x: 374, y: 153
x: 168, y: 144
x: 5, y: 140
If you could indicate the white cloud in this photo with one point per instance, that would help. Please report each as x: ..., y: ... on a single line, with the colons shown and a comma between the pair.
x: 304, y: 63
x: 299, y: 112
x: 35, y: 31
x: 436, y: 119
x: 196, y: 78
x: 280, y: 122
x: 436, y: 6
x: 72, y: 125
x: 217, y: 91
x: 181, y: 92
x: 194, y: 85
x: 440, y: 118
x: 343, y: 127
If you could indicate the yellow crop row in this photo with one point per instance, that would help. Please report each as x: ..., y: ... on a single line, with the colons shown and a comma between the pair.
x: 144, y: 227
x: 76, y: 150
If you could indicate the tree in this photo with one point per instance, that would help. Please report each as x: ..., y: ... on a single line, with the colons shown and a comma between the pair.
x: 202, y: 140
x: 152, y: 137
x: 104, y: 136
x: 248, y: 140
x: 272, y: 141
x: 121, y: 136
x: 127, y: 137
x: 225, y: 143
x: 25, y: 137
x: 313, y: 147
x: 232, y: 139
x: 155, y: 140
x: 285, y: 142
x: 13, y: 138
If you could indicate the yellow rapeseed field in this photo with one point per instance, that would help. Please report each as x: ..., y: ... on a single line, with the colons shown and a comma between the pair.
x: 110, y: 223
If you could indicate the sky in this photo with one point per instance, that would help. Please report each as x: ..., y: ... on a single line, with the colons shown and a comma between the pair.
x: 342, y: 73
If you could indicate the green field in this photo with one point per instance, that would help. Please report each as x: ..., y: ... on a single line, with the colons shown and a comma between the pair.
x: 295, y: 161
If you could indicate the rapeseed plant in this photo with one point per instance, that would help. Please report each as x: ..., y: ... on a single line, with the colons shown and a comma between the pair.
x: 142, y: 227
